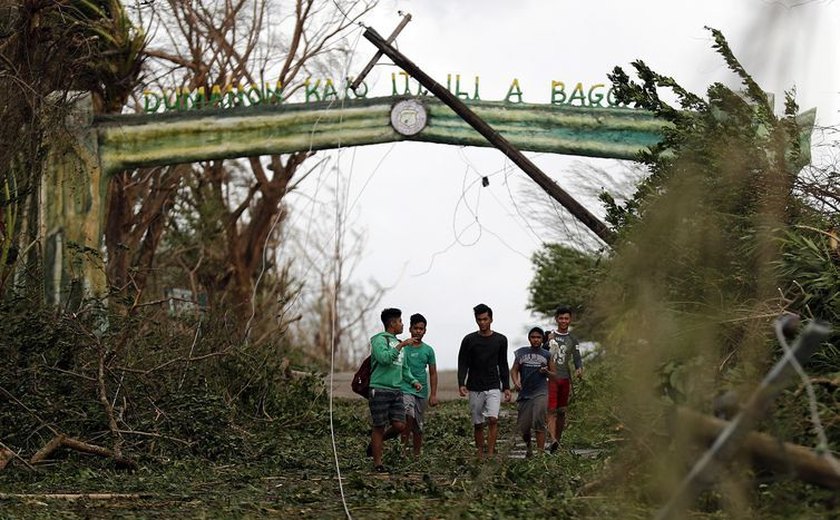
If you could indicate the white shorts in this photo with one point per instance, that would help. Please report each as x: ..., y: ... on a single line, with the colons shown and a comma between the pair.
x: 484, y: 404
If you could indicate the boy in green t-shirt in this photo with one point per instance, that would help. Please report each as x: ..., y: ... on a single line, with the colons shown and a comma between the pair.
x: 418, y: 356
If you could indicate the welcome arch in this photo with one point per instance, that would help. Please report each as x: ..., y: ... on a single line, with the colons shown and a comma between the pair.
x: 74, y: 187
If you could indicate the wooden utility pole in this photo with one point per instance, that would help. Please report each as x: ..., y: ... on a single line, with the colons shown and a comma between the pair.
x: 766, y: 451
x: 530, y: 169
x: 733, y: 435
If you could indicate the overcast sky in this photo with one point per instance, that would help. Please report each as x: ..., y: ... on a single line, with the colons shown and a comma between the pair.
x: 440, y: 241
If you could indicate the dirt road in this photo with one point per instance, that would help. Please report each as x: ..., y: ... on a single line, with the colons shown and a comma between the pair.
x: 447, y: 385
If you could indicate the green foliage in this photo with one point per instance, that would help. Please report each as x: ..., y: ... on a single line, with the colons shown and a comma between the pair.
x: 562, y: 275
x: 101, y: 32
x: 732, y: 147
x: 810, y: 266
x: 705, y: 244
x: 179, y: 385
x: 698, y: 234
x: 283, y: 471
x: 811, y: 261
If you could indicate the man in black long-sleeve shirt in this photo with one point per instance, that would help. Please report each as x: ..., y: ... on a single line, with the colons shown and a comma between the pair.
x: 483, y: 374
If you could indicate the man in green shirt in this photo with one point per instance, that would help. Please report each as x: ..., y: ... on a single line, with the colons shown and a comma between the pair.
x: 418, y: 357
x: 388, y: 373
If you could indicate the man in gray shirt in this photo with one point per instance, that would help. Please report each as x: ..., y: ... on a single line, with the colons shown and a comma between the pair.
x: 530, y: 378
x: 562, y: 346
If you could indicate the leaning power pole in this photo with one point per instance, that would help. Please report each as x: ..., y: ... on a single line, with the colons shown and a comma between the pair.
x: 493, y: 137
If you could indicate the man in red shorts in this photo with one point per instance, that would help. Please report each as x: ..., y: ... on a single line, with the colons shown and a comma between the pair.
x: 562, y: 346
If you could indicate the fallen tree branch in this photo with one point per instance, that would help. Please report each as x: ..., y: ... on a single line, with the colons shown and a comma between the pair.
x: 288, y: 373
x: 48, y: 448
x: 106, y: 403
x: 62, y: 440
x: 76, y: 496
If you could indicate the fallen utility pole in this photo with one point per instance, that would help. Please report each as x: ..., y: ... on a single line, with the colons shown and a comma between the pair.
x: 733, y: 435
x: 530, y: 169
x: 765, y: 451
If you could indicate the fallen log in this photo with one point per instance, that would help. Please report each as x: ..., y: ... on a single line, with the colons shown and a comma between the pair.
x: 62, y: 440
x: 765, y: 450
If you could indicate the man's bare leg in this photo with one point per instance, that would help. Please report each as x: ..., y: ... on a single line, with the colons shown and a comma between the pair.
x: 478, y: 433
x: 560, y: 424
x: 540, y: 441
x: 551, y: 420
x: 492, y: 432
x: 407, y: 432
x: 376, y: 437
x: 527, y: 438
x: 418, y: 441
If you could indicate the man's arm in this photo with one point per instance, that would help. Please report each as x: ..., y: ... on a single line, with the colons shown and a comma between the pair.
x: 577, y: 359
x: 463, y: 366
x: 381, y: 352
x: 504, y: 372
x: 552, y: 368
x: 514, y: 375
x: 433, y: 382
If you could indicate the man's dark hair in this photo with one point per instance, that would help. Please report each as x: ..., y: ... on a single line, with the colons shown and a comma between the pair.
x: 536, y: 329
x: 481, y: 309
x: 418, y: 318
x: 388, y: 315
x: 563, y: 309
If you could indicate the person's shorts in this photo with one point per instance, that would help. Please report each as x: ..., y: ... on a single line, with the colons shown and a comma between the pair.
x: 386, y: 406
x: 415, y: 407
x: 558, y: 393
x: 484, y: 404
x: 531, y: 414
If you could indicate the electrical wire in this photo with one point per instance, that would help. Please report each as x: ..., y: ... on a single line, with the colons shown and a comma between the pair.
x: 338, y: 241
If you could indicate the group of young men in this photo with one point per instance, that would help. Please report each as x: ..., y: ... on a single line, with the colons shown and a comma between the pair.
x: 541, y: 373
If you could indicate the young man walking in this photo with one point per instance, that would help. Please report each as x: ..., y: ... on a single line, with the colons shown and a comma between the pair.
x: 418, y: 356
x: 388, y: 373
x: 562, y: 346
x: 530, y: 378
x: 483, y: 374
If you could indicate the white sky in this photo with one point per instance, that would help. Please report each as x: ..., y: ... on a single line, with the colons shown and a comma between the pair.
x: 412, y: 199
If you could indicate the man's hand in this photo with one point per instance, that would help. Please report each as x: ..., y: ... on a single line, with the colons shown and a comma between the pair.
x: 507, y: 395
x: 462, y: 390
x: 579, y: 373
x: 516, y: 387
x: 417, y: 385
x: 433, y: 400
x: 409, y: 341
